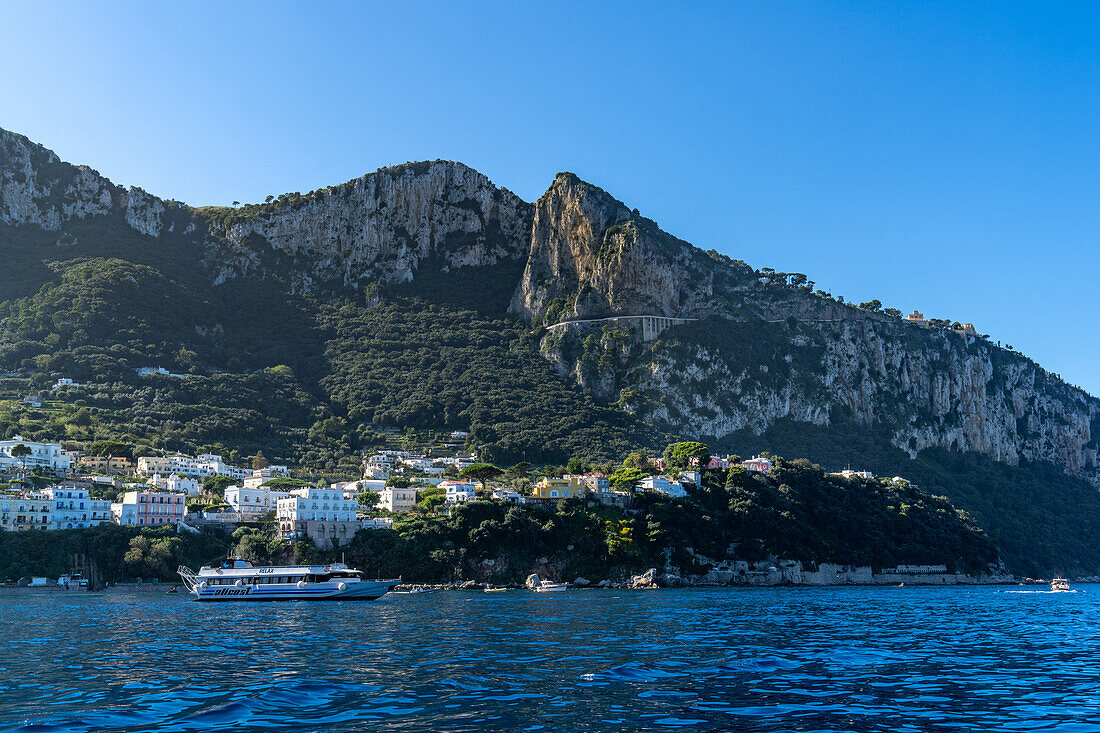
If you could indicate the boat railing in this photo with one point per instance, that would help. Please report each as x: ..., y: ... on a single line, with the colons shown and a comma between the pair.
x: 189, y: 578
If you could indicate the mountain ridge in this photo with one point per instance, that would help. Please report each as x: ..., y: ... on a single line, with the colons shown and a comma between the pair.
x: 762, y: 350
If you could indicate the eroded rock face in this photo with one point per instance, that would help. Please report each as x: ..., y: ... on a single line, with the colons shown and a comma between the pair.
x: 795, y: 355
x: 37, y: 188
x: 384, y: 227
x: 953, y: 391
x: 591, y: 257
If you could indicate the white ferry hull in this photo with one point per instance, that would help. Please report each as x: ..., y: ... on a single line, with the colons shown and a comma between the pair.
x: 368, y: 590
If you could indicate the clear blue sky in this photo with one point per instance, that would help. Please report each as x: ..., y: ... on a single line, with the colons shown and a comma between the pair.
x: 939, y: 156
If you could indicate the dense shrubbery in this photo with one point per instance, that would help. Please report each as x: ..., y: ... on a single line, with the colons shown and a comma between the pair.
x: 1043, y: 521
x: 111, y: 552
x: 304, y: 379
x: 797, y: 512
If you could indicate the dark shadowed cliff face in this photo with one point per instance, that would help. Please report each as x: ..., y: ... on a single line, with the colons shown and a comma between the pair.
x: 748, y: 353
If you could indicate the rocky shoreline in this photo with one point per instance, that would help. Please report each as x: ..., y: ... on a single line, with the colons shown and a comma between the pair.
x: 792, y: 575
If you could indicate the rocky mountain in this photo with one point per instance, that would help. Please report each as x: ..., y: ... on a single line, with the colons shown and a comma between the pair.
x: 754, y: 351
x: 423, y: 295
x: 378, y: 228
x: 759, y: 350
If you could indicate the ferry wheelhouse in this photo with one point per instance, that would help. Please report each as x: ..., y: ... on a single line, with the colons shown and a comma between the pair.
x: 239, y: 580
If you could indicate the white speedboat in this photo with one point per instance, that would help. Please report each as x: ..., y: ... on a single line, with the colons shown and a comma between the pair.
x: 545, y: 587
x: 239, y: 580
x: 1059, y: 584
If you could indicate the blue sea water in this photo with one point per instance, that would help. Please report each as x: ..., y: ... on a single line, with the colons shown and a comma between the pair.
x: 786, y: 659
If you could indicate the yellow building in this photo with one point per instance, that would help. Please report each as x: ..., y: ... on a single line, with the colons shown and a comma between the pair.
x: 559, y: 488
x: 21, y: 513
x: 148, y: 465
x: 105, y: 463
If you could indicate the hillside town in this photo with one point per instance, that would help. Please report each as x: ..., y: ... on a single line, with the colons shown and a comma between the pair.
x: 175, y: 490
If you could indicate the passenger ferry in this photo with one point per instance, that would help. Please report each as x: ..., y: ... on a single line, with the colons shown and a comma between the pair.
x: 238, y: 580
x: 1059, y: 585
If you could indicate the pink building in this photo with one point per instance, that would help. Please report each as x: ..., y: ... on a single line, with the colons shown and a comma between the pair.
x: 718, y: 463
x: 148, y: 508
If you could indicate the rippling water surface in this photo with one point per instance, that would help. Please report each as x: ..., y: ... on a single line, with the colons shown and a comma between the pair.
x: 838, y: 659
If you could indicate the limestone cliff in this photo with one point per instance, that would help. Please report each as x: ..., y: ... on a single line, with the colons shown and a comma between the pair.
x: 591, y: 257
x: 748, y: 351
x: 762, y: 349
x: 37, y: 188
x: 380, y: 227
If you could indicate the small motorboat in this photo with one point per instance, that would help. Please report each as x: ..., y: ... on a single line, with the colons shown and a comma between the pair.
x: 545, y: 587
x: 1059, y: 585
x: 414, y: 590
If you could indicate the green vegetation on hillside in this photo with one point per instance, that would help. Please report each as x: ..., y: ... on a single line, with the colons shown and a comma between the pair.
x: 109, y: 552
x: 797, y: 513
x: 1043, y: 521
x: 439, y: 352
x: 308, y: 380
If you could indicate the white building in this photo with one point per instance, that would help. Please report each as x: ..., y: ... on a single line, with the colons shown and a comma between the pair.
x: 397, y: 500
x: 313, y: 504
x: 47, y: 456
x: 252, y: 502
x: 65, y: 382
x: 157, y: 371
x: 849, y: 473
x: 175, y: 484
x: 378, y: 466
x: 675, y: 489
x: 420, y: 463
x: 323, y: 515
x: 506, y: 495
x: 758, y: 464
x: 201, y: 466
x: 72, y: 507
x: 148, y: 465
x: 458, y: 492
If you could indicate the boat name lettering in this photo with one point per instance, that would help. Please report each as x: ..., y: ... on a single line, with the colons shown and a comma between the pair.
x: 265, y: 571
x: 232, y: 591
